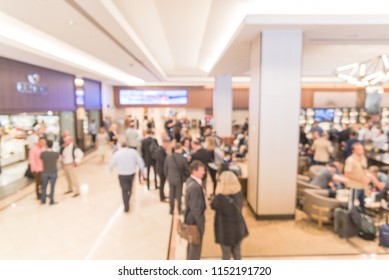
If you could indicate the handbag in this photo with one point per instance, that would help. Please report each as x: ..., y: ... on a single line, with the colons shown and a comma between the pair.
x: 189, y: 232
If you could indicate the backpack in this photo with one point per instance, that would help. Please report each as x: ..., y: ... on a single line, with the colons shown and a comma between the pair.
x: 364, y: 223
x: 153, y: 149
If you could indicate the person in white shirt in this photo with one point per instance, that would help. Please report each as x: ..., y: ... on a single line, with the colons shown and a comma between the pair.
x: 126, y: 161
x: 102, y: 141
x: 71, y: 157
x: 32, y: 139
x: 132, y: 136
x: 379, y: 141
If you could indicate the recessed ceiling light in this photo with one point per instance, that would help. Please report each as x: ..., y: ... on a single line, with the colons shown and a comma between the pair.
x: 70, y: 22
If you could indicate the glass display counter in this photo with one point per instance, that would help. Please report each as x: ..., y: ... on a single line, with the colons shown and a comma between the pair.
x: 12, y: 150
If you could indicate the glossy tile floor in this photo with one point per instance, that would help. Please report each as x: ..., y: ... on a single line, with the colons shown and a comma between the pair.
x: 94, y: 226
x: 90, y: 226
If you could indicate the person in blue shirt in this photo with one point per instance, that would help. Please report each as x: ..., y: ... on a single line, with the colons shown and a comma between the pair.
x: 380, y: 182
x: 348, y: 149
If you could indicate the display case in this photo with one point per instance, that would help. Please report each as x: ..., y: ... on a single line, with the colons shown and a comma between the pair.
x: 341, y: 116
x: 12, y: 149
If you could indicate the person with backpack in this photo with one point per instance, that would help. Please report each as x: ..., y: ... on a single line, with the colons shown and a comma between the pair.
x: 71, y: 158
x: 148, y: 146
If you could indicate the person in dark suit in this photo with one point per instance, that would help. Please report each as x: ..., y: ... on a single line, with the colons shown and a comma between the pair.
x: 147, y: 157
x: 195, y: 206
x: 176, y: 171
x: 230, y: 227
x: 202, y: 155
x: 161, y: 154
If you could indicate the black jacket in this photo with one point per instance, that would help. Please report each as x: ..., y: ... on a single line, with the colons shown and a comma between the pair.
x: 160, y: 159
x: 230, y: 227
x: 202, y: 155
x: 145, y: 150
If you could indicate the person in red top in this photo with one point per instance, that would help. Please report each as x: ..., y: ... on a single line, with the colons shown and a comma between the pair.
x: 36, y: 163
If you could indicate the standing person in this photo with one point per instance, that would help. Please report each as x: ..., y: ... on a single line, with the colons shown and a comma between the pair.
x: 113, y: 137
x: 126, y: 161
x: 161, y: 153
x: 176, y: 171
x: 32, y: 139
x: 187, y: 147
x: 36, y: 164
x: 168, y: 125
x: 71, y: 158
x: 132, y: 136
x: 230, y: 227
x: 323, y: 149
x: 355, y: 170
x: 107, y: 123
x: 353, y: 138
x: 93, y: 131
x: 146, y: 147
x: 202, y: 155
x: 65, y: 134
x: 317, y: 128
x: 213, y: 168
x: 49, y: 159
x: 380, y: 141
x: 195, y: 206
x: 380, y: 182
x: 102, y: 139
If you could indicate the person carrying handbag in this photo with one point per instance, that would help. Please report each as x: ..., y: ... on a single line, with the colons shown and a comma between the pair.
x: 230, y: 227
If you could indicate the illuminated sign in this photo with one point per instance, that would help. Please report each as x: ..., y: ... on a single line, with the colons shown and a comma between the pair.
x: 152, y: 97
x: 32, y: 86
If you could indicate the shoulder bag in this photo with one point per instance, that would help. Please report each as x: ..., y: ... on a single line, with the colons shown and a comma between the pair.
x: 189, y: 232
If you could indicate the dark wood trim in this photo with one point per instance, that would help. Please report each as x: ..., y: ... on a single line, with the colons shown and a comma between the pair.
x: 271, y: 217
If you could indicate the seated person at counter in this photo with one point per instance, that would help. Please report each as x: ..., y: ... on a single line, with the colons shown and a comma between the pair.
x: 326, y: 178
x: 380, y: 182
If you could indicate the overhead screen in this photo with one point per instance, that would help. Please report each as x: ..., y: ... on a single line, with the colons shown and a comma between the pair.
x: 152, y: 97
x: 324, y: 115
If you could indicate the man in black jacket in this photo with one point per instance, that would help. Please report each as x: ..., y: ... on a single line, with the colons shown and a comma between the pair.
x: 202, y: 155
x: 195, y: 206
x: 160, y: 156
x: 176, y: 171
x: 147, y: 157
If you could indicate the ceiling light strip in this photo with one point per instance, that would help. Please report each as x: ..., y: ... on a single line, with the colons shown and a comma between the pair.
x: 35, y: 40
x: 94, y: 22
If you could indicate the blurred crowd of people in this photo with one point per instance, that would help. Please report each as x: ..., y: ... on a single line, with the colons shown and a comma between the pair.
x: 344, y: 157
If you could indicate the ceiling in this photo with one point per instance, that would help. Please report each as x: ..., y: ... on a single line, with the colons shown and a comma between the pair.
x: 183, y: 41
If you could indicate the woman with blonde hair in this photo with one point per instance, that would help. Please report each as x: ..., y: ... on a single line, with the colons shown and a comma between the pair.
x: 230, y: 227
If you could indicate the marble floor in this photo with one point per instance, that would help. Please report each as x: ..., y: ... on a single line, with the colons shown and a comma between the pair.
x: 94, y: 226
x: 90, y: 226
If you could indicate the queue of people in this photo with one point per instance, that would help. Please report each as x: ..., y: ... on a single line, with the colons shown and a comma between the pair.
x: 181, y: 160
x: 184, y: 162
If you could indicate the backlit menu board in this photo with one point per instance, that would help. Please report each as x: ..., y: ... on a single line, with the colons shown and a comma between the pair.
x: 152, y: 97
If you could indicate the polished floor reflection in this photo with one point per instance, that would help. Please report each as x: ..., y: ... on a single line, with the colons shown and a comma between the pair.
x: 94, y: 226
x: 90, y: 226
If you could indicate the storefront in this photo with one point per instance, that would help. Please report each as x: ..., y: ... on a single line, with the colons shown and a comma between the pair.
x: 31, y: 98
x: 89, y: 109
